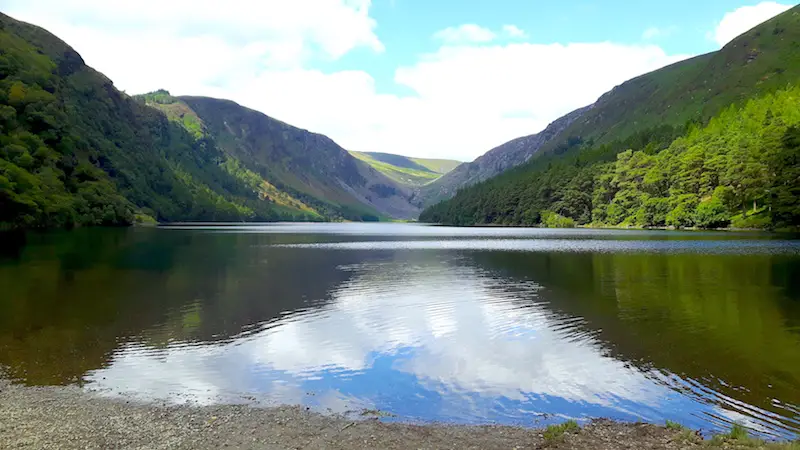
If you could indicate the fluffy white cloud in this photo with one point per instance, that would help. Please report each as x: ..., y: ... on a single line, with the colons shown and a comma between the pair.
x: 463, y: 99
x: 743, y: 19
x: 191, y: 44
x: 465, y: 34
x: 467, y: 99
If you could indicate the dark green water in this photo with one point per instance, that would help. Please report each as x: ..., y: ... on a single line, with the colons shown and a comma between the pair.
x: 427, y: 323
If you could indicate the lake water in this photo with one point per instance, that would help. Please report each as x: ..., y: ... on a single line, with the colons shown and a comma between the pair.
x: 462, y: 325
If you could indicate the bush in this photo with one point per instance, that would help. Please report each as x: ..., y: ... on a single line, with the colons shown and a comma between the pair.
x: 711, y: 214
x: 554, y: 220
x: 554, y: 432
x: 751, y: 221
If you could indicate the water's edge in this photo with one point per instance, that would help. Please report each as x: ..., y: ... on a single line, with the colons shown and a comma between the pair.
x: 68, y: 417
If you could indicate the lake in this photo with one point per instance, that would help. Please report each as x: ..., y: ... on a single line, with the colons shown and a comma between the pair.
x: 460, y: 325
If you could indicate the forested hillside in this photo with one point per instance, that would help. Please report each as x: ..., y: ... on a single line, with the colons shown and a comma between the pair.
x: 741, y: 170
x: 76, y: 151
x: 648, y: 153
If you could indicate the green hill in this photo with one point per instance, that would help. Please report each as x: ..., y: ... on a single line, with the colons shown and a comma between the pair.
x: 406, y: 170
x: 76, y: 151
x: 758, y: 62
x: 687, y: 171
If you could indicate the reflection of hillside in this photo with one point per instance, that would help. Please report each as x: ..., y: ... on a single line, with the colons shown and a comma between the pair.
x: 70, y: 298
x: 447, y: 329
x: 727, y: 320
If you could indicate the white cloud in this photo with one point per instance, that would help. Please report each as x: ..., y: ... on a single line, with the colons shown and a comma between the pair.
x: 514, y: 32
x: 165, y: 36
x: 466, y: 99
x: 465, y: 34
x: 743, y: 19
x: 462, y: 101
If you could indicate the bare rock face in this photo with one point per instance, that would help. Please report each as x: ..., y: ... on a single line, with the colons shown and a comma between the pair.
x: 495, y: 161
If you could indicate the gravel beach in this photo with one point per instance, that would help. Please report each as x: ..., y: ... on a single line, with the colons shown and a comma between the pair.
x: 70, y: 418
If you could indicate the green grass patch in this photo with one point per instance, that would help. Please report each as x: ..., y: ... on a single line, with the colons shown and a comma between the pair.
x: 675, y: 426
x: 405, y: 175
x: 739, y: 438
x: 441, y: 166
x: 555, y: 432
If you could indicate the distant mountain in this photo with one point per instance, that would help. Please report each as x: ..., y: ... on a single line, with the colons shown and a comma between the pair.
x: 495, y: 161
x: 74, y: 150
x: 406, y: 170
x: 305, y: 165
x: 648, y: 153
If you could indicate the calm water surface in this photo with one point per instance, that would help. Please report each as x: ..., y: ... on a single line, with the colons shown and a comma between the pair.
x: 513, y: 326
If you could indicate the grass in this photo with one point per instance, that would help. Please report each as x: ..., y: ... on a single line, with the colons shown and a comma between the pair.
x: 404, y: 175
x: 675, y: 426
x: 556, y: 432
x: 739, y: 438
x: 441, y: 166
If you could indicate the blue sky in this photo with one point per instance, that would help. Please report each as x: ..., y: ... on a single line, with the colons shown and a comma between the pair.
x: 429, y: 78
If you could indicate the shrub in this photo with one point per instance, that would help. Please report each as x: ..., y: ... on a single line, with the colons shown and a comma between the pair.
x: 554, y: 432
x: 554, y: 220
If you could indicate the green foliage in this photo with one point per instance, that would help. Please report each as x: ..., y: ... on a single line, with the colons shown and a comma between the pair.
x: 738, y: 432
x: 556, y: 432
x: 752, y: 221
x: 740, y: 170
x: 712, y: 213
x: 675, y: 426
x: 161, y: 97
x: 554, y: 220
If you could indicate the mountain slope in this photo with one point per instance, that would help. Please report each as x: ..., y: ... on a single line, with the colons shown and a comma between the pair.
x: 705, y: 177
x: 495, y: 161
x: 405, y: 170
x: 759, y: 61
x: 308, y: 166
x: 76, y: 151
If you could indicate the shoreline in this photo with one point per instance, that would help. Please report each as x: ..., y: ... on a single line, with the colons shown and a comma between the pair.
x: 68, y: 417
